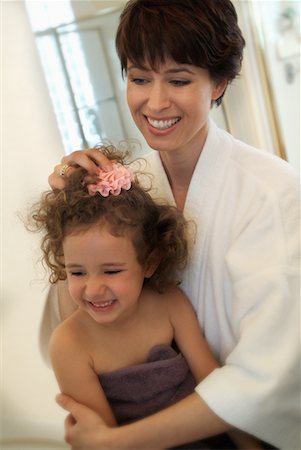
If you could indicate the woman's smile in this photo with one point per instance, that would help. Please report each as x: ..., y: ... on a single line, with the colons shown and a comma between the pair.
x: 162, y: 124
x: 164, y: 107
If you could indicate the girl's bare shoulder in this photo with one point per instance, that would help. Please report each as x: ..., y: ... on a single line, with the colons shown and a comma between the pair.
x: 172, y: 297
x: 178, y: 304
x: 69, y: 334
x: 175, y: 295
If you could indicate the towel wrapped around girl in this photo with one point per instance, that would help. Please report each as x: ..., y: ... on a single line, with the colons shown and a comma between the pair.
x: 139, y: 391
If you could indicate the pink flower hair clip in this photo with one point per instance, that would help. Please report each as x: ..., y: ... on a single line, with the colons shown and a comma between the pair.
x: 112, y: 182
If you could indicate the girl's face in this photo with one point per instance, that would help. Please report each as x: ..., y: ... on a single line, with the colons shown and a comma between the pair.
x: 103, y: 274
x: 171, y: 106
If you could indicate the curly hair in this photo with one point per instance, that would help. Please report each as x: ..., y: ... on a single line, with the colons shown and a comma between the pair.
x: 204, y: 33
x: 158, y: 231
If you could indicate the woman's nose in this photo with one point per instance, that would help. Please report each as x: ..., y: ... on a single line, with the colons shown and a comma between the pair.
x: 158, y: 99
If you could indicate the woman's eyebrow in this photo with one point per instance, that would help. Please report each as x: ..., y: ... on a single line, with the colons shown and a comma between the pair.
x: 168, y: 71
x: 133, y: 66
x: 180, y: 69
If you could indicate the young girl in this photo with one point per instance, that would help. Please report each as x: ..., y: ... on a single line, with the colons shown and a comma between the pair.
x: 120, y: 253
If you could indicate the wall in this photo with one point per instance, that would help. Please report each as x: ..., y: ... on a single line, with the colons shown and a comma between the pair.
x: 30, y: 148
x: 262, y: 108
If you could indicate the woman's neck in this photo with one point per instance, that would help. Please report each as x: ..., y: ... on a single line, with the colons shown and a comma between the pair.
x: 179, y: 165
x: 179, y: 170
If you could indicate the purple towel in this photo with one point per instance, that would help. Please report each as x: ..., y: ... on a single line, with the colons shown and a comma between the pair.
x: 139, y: 391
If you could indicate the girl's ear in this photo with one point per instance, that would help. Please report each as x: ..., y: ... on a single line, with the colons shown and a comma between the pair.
x: 152, y: 264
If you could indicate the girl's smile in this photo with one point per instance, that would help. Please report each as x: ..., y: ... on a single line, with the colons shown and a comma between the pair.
x: 104, y: 276
x: 102, y: 307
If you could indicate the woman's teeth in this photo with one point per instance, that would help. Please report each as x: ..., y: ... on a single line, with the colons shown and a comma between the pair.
x: 162, y: 124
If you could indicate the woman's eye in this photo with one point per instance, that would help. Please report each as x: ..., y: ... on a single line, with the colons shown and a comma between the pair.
x: 180, y: 83
x: 139, y: 81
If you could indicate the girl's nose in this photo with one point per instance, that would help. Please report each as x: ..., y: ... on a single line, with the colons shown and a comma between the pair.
x: 95, y: 288
x: 158, y: 99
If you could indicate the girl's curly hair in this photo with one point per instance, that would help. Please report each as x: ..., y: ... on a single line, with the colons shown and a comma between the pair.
x: 158, y: 231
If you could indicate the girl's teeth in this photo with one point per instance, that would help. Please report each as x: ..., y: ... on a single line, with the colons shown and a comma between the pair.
x: 162, y: 124
x: 103, y: 304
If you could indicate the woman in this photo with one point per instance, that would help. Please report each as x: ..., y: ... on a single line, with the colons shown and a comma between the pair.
x: 242, y: 278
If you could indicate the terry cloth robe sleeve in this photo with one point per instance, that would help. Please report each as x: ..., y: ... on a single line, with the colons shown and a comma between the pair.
x: 243, y: 280
x: 50, y: 320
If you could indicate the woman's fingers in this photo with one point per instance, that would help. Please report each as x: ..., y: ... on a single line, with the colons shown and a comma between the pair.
x: 82, y: 425
x: 66, y: 402
x: 78, y: 412
x: 69, y: 421
x: 55, y: 181
x: 89, y: 159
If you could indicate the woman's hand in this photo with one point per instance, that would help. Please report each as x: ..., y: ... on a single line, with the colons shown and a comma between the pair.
x: 84, y: 428
x: 90, y: 159
x: 188, y: 420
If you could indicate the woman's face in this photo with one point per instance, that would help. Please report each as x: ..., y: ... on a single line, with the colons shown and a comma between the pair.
x: 171, y: 106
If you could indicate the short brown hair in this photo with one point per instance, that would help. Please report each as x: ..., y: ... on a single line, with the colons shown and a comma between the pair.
x: 157, y: 230
x: 203, y: 33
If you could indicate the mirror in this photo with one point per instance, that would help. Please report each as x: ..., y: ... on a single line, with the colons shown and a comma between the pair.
x: 83, y: 74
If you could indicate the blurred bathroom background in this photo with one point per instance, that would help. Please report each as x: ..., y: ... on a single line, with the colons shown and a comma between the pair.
x: 62, y: 90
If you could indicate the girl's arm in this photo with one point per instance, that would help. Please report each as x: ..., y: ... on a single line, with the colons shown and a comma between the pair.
x: 74, y: 371
x: 188, y: 335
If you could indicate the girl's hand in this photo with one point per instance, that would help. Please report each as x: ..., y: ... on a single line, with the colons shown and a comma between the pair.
x: 84, y: 428
x: 90, y: 159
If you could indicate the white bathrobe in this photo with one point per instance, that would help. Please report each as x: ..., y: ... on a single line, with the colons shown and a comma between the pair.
x: 243, y: 280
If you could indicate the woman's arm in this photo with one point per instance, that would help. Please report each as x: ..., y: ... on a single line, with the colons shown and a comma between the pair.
x: 186, y: 421
x: 244, y: 441
x: 74, y: 371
